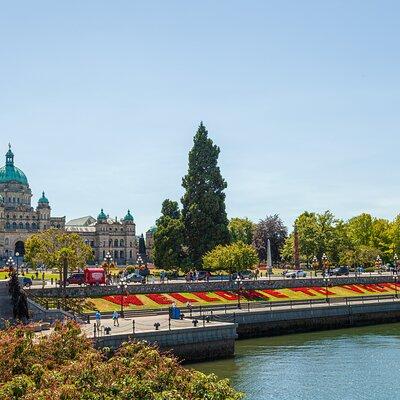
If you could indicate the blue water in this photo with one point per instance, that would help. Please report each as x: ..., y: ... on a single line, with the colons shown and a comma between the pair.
x: 348, y: 364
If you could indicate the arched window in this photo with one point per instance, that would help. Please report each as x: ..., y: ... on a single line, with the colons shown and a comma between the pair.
x: 121, y: 254
x: 130, y: 253
x: 7, y: 241
x: 115, y: 254
x: 21, y: 225
x: 116, y: 243
x: 110, y: 242
x: 14, y: 225
x: 33, y: 225
x: 27, y: 226
x: 121, y: 242
x: 104, y: 254
x: 8, y: 225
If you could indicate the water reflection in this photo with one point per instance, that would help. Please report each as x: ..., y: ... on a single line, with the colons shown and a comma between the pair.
x: 352, y: 364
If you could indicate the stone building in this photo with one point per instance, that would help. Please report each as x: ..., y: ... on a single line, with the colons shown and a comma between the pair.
x: 18, y: 219
x: 108, y: 235
x: 150, y: 242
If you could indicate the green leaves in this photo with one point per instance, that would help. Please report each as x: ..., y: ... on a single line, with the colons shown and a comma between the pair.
x: 231, y: 258
x: 203, y: 214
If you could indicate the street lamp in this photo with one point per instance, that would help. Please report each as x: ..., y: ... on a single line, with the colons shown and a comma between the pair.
x: 378, y: 264
x: 239, y: 283
x: 17, y: 256
x: 108, y: 261
x: 396, y: 263
x: 327, y: 281
x: 139, y: 261
x: 122, y: 286
x: 325, y: 263
x: 10, y: 264
x: 395, y: 278
x: 315, y: 265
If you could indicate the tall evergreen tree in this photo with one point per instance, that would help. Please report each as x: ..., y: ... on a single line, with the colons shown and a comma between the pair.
x: 168, y: 239
x: 203, y: 214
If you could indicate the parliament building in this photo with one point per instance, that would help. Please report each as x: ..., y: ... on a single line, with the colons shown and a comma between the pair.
x: 19, y: 220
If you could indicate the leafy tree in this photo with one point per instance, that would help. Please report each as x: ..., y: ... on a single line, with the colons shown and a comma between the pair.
x: 169, y: 237
x: 359, y: 229
x: 241, y: 230
x: 64, y: 365
x: 271, y: 228
x: 231, y: 258
x: 203, y: 214
x: 57, y: 249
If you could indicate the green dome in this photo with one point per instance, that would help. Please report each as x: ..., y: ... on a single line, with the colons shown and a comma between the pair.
x: 128, y: 216
x: 10, y: 173
x: 102, y: 216
x: 43, y: 199
x: 152, y: 229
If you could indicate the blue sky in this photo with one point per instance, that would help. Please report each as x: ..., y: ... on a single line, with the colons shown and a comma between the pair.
x: 101, y: 101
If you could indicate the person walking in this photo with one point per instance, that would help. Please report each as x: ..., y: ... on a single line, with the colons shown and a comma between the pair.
x: 115, y: 317
x: 98, y: 319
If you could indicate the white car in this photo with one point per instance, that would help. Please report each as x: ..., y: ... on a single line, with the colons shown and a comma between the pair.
x: 296, y: 274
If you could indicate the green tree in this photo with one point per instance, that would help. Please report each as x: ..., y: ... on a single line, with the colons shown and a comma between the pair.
x: 142, y: 246
x: 203, y: 214
x: 64, y: 365
x: 169, y: 238
x: 241, y: 230
x: 271, y: 228
x: 231, y: 258
x: 359, y: 229
x: 57, y: 249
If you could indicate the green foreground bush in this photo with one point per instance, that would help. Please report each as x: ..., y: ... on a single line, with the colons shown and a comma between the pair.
x: 65, y: 366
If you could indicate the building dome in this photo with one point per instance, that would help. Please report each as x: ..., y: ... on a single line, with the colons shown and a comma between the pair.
x: 102, y: 216
x: 10, y: 173
x: 152, y: 229
x: 128, y: 217
x: 43, y: 199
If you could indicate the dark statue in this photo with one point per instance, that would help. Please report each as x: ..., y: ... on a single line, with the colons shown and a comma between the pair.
x: 19, y: 300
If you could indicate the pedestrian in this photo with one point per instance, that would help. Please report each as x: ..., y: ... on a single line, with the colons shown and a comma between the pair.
x: 98, y: 319
x: 115, y: 317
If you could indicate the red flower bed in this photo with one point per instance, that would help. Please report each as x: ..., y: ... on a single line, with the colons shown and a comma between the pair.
x: 304, y: 290
x: 181, y: 298
x: 373, y: 288
x: 204, y: 296
x: 353, y: 288
x: 159, y: 298
x: 126, y: 300
x: 275, y: 293
x: 227, y: 295
x: 323, y: 291
x: 253, y: 295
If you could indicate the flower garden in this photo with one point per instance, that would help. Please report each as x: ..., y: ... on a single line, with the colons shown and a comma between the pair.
x: 156, y: 300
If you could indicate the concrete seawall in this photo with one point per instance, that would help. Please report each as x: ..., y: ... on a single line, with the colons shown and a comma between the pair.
x: 281, y: 322
x: 189, y: 344
x: 99, y: 291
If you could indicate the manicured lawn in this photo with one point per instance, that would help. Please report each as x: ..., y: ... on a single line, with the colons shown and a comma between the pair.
x: 154, y: 301
x: 47, y: 275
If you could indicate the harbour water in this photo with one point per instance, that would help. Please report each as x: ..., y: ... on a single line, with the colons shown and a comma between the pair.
x: 348, y: 364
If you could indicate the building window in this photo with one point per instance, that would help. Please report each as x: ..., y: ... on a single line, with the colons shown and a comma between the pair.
x: 121, y: 254
x: 33, y: 225
x: 7, y: 241
x: 115, y: 254
x: 130, y: 253
x: 14, y: 225
x: 104, y: 254
x: 27, y: 226
x: 116, y: 243
x: 8, y: 226
x: 121, y: 242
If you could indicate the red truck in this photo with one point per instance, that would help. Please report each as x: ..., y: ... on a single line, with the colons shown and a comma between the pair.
x: 94, y: 276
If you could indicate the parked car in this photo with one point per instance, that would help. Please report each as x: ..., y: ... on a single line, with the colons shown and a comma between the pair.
x: 202, y: 275
x: 247, y: 274
x: 77, y: 278
x: 340, y: 271
x: 296, y: 274
x: 134, y: 277
x: 24, y: 281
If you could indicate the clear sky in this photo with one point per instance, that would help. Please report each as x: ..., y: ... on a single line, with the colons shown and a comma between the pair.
x: 101, y: 99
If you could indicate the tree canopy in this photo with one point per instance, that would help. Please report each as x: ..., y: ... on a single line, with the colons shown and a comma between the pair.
x: 54, y: 247
x: 65, y: 366
x: 271, y: 228
x: 203, y: 214
x: 241, y: 230
x: 231, y: 258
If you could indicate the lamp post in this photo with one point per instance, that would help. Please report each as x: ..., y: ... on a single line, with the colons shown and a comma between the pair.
x: 17, y: 256
x: 10, y: 264
x: 396, y: 264
x: 378, y: 264
x: 325, y: 263
x: 108, y: 261
x: 327, y: 281
x: 122, y: 286
x: 139, y: 261
x: 239, y: 283
x: 315, y: 265
x: 395, y: 278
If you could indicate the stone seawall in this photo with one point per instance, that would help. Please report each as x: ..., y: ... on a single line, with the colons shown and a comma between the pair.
x: 282, y: 322
x: 99, y: 291
x: 189, y: 344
